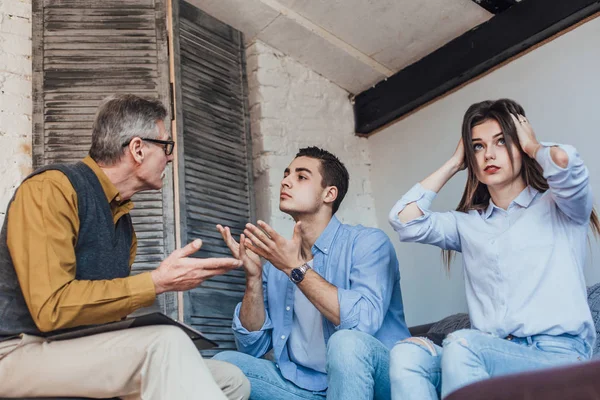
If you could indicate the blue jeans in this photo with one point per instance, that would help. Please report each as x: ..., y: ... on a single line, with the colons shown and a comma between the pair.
x: 357, y: 368
x: 420, y: 369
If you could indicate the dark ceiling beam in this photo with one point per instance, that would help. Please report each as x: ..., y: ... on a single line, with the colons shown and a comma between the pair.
x: 496, y: 6
x: 504, y: 36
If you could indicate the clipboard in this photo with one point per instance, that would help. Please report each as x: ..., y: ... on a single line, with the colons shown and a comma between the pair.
x: 155, y: 318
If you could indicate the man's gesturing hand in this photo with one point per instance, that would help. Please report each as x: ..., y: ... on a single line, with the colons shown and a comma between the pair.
x: 250, y: 260
x: 284, y: 254
x: 179, y: 272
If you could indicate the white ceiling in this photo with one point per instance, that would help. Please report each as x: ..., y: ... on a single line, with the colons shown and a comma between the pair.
x: 354, y: 43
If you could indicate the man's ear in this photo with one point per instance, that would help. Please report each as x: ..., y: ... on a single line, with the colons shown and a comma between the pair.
x: 331, y: 193
x: 136, y: 149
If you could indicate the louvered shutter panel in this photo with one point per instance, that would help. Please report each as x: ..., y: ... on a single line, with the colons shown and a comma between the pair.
x: 84, y: 51
x: 215, y: 164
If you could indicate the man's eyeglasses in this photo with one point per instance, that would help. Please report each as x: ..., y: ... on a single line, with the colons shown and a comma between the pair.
x: 168, y: 145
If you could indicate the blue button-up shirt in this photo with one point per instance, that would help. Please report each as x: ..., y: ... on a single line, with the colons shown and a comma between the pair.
x: 524, y: 265
x: 362, y: 264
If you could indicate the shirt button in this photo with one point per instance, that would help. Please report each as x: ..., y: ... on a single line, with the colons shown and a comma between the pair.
x: 277, y: 365
x: 287, y: 308
x: 282, y: 337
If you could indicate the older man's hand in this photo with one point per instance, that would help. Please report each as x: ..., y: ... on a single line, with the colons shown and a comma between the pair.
x: 179, y: 272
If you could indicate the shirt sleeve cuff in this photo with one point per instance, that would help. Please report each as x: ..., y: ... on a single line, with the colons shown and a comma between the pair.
x: 243, y: 335
x: 417, y: 194
x: 349, y: 312
x: 141, y: 289
x: 548, y: 165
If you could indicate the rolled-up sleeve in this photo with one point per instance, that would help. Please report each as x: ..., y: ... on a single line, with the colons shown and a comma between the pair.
x: 254, y: 343
x: 435, y: 228
x: 373, y: 276
x: 569, y: 186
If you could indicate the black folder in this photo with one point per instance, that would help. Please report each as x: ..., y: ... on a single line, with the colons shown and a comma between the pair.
x: 155, y: 318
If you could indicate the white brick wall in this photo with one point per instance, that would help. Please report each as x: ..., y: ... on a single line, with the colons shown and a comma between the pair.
x: 15, y: 96
x: 293, y: 107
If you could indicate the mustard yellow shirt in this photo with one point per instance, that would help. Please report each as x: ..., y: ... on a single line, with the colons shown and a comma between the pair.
x: 43, y: 226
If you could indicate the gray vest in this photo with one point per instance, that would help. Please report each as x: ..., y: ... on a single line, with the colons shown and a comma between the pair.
x: 102, y: 249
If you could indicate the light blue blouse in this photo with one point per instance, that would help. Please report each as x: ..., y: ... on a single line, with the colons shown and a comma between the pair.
x: 524, y: 265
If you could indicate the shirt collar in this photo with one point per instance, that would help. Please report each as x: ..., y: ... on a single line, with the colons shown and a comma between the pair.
x: 524, y: 199
x: 490, y: 208
x: 110, y: 190
x: 325, y: 240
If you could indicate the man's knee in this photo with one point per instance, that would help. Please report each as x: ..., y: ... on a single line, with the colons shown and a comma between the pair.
x: 230, y: 356
x: 347, y: 340
x: 170, y: 338
x: 409, y: 356
x: 239, y: 359
x: 230, y: 379
x: 348, y: 347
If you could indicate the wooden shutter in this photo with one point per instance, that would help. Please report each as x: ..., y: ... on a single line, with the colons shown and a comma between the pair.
x: 214, y: 157
x: 84, y: 51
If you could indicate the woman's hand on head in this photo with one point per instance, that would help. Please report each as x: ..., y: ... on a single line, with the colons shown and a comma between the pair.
x: 458, y: 158
x: 526, y: 135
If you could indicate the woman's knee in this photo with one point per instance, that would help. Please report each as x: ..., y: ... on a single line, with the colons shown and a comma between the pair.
x: 411, y: 356
x: 465, y: 341
x: 464, y: 347
x: 463, y: 336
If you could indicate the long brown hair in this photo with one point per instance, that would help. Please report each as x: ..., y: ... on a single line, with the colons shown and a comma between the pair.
x: 476, y: 195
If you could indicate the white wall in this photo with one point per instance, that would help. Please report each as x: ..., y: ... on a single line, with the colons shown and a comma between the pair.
x: 293, y: 107
x: 559, y: 88
x: 15, y: 97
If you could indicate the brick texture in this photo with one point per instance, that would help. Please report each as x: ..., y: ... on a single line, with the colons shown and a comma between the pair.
x: 292, y: 107
x: 15, y: 96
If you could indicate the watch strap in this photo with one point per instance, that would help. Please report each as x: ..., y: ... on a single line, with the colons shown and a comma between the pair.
x: 302, y: 270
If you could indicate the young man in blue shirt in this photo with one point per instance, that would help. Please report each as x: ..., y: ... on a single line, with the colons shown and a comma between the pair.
x: 327, y: 302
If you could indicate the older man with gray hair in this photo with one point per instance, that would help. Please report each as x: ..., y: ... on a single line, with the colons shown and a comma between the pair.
x: 66, y: 249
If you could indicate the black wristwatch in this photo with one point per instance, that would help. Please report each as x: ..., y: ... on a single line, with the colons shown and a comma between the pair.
x: 297, y: 274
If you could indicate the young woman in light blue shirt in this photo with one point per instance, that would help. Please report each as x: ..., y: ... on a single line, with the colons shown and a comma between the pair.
x: 521, y: 227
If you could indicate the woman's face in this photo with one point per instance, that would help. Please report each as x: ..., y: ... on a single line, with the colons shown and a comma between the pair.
x: 491, y: 155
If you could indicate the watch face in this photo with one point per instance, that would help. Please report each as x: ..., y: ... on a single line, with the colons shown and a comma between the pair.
x: 296, y: 275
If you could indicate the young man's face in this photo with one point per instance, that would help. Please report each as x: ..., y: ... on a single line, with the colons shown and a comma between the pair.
x: 301, y: 189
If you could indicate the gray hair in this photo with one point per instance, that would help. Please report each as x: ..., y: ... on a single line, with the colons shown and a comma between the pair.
x: 119, y: 119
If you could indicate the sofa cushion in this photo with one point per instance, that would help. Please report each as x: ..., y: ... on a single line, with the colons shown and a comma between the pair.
x: 451, y: 324
x: 593, y: 293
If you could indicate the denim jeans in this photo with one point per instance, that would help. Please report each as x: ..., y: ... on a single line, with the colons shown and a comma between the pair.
x: 357, y: 368
x: 422, y: 370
